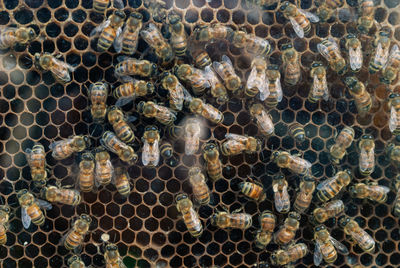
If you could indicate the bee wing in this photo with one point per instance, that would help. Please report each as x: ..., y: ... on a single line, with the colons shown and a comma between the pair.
x: 325, y: 182
x: 330, y: 38
x: 111, y: 149
x: 236, y: 137
x: 280, y: 199
x: 324, y: 51
x: 65, y: 65
x: 356, y: 58
x: 100, y: 28
x: 118, y: 40
x: 385, y: 189
x: 297, y: 28
x: 252, y: 81
x: 226, y: 59
x: 279, y: 89
x: 381, y: 54
x: 339, y: 246
x: 312, y: 17
x: 122, y: 101
x: 54, y: 144
x: 156, y: 153
x: 186, y: 96
x: 26, y: 220
x: 393, y: 122
x: 146, y: 153
x: 393, y: 51
x: 317, y: 254
x: 44, y: 204
x: 210, y: 76
x: 28, y: 155
x: 118, y: 4
x: 219, y: 69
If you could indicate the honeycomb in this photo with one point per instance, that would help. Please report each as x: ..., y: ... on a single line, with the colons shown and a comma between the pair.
x: 146, y: 226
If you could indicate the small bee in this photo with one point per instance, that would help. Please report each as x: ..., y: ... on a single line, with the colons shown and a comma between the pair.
x: 205, y: 33
x: 109, y: 30
x: 193, y: 77
x: 331, y: 187
x: 31, y: 208
x: 281, y: 195
x: 305, y: 195
x: 328, y: 210
x: 75, y: 262
x: 264, y: 120
x: 234, y: 220
x: 100, y: 6
x: 342, y: 142
x: 381, y: 54
x: 300, y: 19
x: 197, y: 106
x: 122, y: 181
x: 112, y: 257
x: 227, y: 73
x: 104, y: 169
x: 125, y: 152
x: 371, y: 191
x: 319, y: 88
x: 393, y: 152
x: 257, y: 46
x: 353, y: 45
x: 120, y: 125
x: 273, y: 92
x: 361, y: 237
x: 162, y: 114
x: 74, y: 238
x: 4, y: 224
x: 291, y: 64
x: 396, y: 203
x: 361, y: 96
x: 37, y: 162
x: 131, y: 66
x: 98, y: 93
x: 367, y: 155
x: 152, y: 35
x: 330, y: 51
x: 10, y: 36
x: 192, y: 136
x: 366, y: 16
x: 292, y: 162
x: 326, y: 8
x: 256, y: 82
x: 201, y: 58
x: 390, y: 70
x: 61, y: 195
x: 264, y: 235
x: 213, y: 163
x: 297, y: 132
x: 190, y: 216
x: 218, y: 90
x: 59, y: 69
x: 151, y: 150
x: 394, y: 122
x: 128, y: 91
x: 178, y: 34
x: 166, y: 150
x: 127, y: 41
x: 237, y: 144
x: 176, y: 91
x: 86, y: 172
x: 291, y: 254
x: 253, y: 190
x: 156, y: 9
x: 326, y: 245
x: 200, y: 189
x: 65, y: 148
x: 287, y: 232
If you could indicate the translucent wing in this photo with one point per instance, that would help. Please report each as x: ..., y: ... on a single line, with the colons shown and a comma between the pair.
x: 385, y: 189
x: 119, y: 4
x: 99, y: 170
x: 279, y: 89
x: 226, y: 59
x: 26, y: 220
x: 54, y: 144
x: 356, y: 58
x: 64, y: 64
x: 393, y: 51
x: 324, y: 51
x: 148, y: 154
x: 312, y: 17
x: 100, y: 28
x: 339, y: 246
x: 28, y: 155
x: 393, y: 121
x: 156, y: 153
x: 317, y: 254
x: 297, y: 28
x: 124, y: 100
x: 330, y: 38
x: 210, y: 76
x: 186, y: 96
x: 381, y: 54
x: 280, y: 198
x: 265, y: 90
x: 366, y: 157
x: 252, y: 81
x: 44, y: 204
x: 118, y: 40
x: 325, y: 182
x: 219, y: 69
x: 232, y: 136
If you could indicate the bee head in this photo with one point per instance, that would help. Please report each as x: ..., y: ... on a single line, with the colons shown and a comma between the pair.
x: 350, y: 81
x: 140, y: 106
x: 173, y: 18
x: 350, y: 36
x: 275, y: 155
x: 348, y: 171
x: 394, y: 95
x: 273, y: 67
x: 151, y: 128
x: 286, y: 46
x: 136, y: 15
x: 308, y: 178
x: 86, y: 218
x: 209, y: 146
x: 319, y: 228
x: 294, y: 215
x: 316, y: 64
x: 284, y: 5
x: 22, y: 192
x: 120, y: 14
x: 180, y: 197
x: 367, y: 137
x: 343, y: 221
x: 274, y: 259
x: 72, y: 259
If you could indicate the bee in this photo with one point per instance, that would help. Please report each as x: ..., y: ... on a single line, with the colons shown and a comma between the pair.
x: 371, y: 191
x: 294, y: 163
x: 192, y: 136
x: 131, y: 66
x: 119, y: 123
x: 291, y: 64
x: 327, y: 210
x: 236, y: 144
x: 200, y: 189
x: 257, y: 46
x: 4, y: 224
x: 61, y: 195
x: 112, y: 257
x: 122, y: 181
x: 178, y: 34
x: 65, y: 148
x: 59, y: 69
x: 291, y: 254
x: 127, y: 41
x: 305, y: 195
x: 201, y: 58
x: 10, y: 36
x: 234, y: 220
x: 166, y: 150
x: 86, y: 172
x: 367, y: 155
x: 326, y: 8
x: 361, y: 237
x: 297, y: 132
x: 100, y: 6
x: 281, y: 195
x: 396, y: 205
x: 190, y: 216
x: 37, y: 162
x: 390, y: 70
x: 273, y: 93
x: 381, y: 52
x: 227, y: 73
x: 218, y: 90
x: 330, y: 51
x: 264, y: 120
x: 74, y: 238
x: 264, y: 235
x: 287, y: 232
x: 128, y: 91
x: 75, y: 262
x: 253, y: 190
x: 98, y: 93
x: 366, y: 16
x: 157, y: 9
x: 213, y: 163
x: 152, y: 35
x: 394, y: 123
x: 342, y: 142
x: 319, y: 88
x: 125, y: 152
x: 151, y: 150
x: 353, y: 45
x: 31, y: 208
x: 205, y: 33
x: 162, y: 114
x: 104, y: 169
x: 256, y: 82
x: 326, y: 245
x: 300, y: 19
x: 361, y: 96
x: 176, y: 91
x: 195, y: 78
x: 197, y: 106
x: 331, y: 187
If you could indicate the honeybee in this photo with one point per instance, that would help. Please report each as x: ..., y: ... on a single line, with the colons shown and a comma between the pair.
x: 115, y: 145
x: 119, y: 123
x: 300, y: 19
x: 201, y: 58
x: 264, y: 120
x: 112, y: 257
x: 371, y: 191
x: 361, y: 96
x: 291, y: 64
x: 131, y: 66
x: 353, y: 45
x: 273, y: 93
x: 390, y: 70
x: 65, y: 148
x: 330, y: 51
x: 122, y: 181
x: 128, y: 91
x: 213, y: 163
x: 10, y: 36
x: 366, y: 16
x: 256, y: 82
x: 75, y: 262
x: 205, y: 33
x: 291, y: 254
x: 331, y: 187
x: 166, y: 150
x: 195, y: 78
x: 396, y: 204
x: 86, y: 172
x: 157, y: 9
x: 100, y: 6
x: 264, y: 235
x: 199, y: 187
x: 127, y: 41
x: 59, y: 69
x: 37, y: 162
x: 326, y: 8
x: 31, y: 208
x: 192, y: 136
x: 151, y: 150
x: 326, y: 245
x: 190, y: 216
x: 394, y: 122
x: 74, y: 238
x: 305, y: 195
x: 104, y: 169
x: 178, y: 34
x: 294, y: 163
x: 4, y: 225
x: 327, y: 210
x: 253, y: 190
x: 227, y: 73
x: 257, y: 46
x: 197, y: 106
x: 319, y: 88
x: 297, y: 132
x: 342, y: 142
x: 237, y: 144
x: 161, y: 113
x: 61, y: 195
x: 234, y: 220
x: 98, y: 93
x: 281, y: 195
x: 367, y: 155
x: 361, y: 237
x: 152, y: 35
x: 218, y: 90
x: 287, y: 232
x: 176, y: 91
x: 381, y: 54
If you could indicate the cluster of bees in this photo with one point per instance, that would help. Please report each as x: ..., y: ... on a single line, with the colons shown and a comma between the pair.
x: 175, y: 74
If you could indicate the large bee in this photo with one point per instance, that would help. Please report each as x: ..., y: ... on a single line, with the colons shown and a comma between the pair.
x: 197, y: 106
x: 326, y: 245
x: 227, y: 73
x: 394, y: 121
x: 391, y: 69
x: 128, y: 91
x: 253, y: 190
x: 192, y: 136
x: 65, y: 148
x: 86, y: 172
x: 152, y: 35
x: 156, y: 9
x: 213, y: 163
x: 332, y: 186
x: 326, y: 8
x: 200, y: 189
x: 361, y: 96
x: 353, y: 45
x: 59, y: 69
x: 218, y: 90
x: 37, y: 162
x: 178, y: 34
x: 115, y: 145
x: 104, y: 172
x: 256, y: 82
x: 300, y: 19
x: 161, y: 113
x: 61, y: 195
x: 361, y: 237
x: 273, y: 93
x: 131, y: 66
x: 367, y: 155
x: 257, y: 46
x: 291, y: 64
x: 371, y: 191
x: 264, y: 234
x: 195, y: 78
x: 74, y: 238
x: 122, y: 181
x: 281, y: 194
x: 234, y: 220
x: 4, y: 225
x: 297, y: 132
x: 366, y: 17
x: 305, y: 195
x: 319, y: 88
x: 287, y: 232
x: 201, y: 58
x: 264, y: 120
x: 120, y: 125
x: 100, y: 6
x: 330, y: 51
x: 75, y: 262
x: 127, y: 41
x: 381, y: 53
x: 151, y: 150
x: 112, y: 257
x: 236, y: 144
x: 291, y: 254
x: 10, y: 36
x: 396, y: 203
x: 327, y: 210
x: 205, y: 33
x: 31, y: 208
x: 294, y: 163
x: 342, y: 142
x: 98, y: 93
x: 175, y: 89
x: 190, y: 216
